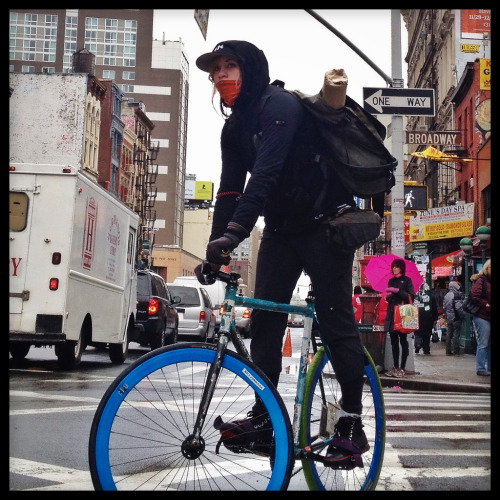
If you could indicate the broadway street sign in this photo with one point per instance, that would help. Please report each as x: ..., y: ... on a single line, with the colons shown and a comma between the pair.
x: 396, y: 101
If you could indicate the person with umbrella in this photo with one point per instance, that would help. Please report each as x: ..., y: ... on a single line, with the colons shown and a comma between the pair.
x: 399, y: 290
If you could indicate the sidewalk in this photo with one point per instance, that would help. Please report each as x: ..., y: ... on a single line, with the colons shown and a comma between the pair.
x: 438, y: 372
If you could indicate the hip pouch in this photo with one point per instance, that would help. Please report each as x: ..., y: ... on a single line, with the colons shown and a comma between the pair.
x: 352, y: 227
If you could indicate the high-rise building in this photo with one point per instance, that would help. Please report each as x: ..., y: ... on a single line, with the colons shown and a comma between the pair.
x: 151, y: 72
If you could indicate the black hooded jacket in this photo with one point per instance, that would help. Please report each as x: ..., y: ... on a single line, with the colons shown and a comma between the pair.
x: 269, y: 136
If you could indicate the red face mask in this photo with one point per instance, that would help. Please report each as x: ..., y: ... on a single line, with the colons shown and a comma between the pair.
x: 229, y: 90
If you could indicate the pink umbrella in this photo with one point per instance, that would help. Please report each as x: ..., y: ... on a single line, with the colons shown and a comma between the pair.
x: 379, y: 272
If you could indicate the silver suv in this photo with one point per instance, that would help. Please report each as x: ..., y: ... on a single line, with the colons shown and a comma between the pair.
x: 196, y: 314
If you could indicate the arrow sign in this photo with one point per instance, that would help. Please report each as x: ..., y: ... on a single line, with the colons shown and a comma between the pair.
x: 396, y: 101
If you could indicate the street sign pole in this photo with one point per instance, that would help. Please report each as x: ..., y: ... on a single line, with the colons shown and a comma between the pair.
x: 397, y: 207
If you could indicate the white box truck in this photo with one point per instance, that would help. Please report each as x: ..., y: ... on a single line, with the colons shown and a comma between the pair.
x: 72, y: 276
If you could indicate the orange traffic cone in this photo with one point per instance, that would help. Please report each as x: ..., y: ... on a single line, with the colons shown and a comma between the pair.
x: 287, y: 348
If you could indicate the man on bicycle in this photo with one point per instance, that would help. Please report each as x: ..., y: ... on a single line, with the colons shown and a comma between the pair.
x: 267, y: 133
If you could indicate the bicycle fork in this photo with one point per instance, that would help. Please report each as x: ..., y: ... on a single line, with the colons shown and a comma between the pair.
x: 194, y: 445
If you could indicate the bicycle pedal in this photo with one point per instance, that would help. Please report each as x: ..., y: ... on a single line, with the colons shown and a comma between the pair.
x: 347, y: 462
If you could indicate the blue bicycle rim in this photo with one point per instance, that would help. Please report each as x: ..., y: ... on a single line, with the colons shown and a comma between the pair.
x: 143, y: 367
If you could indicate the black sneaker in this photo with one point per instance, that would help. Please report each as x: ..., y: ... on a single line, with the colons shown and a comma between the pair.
x: 348, y: 443
x: 248, y: 435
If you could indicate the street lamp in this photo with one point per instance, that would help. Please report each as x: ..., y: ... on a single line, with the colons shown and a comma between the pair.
x: 465, y: 335
x: 483, y: 233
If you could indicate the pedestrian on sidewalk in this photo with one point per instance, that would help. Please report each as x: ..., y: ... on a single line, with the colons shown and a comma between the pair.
x: 480, y: 293
x: 452, y: 305
x: 356, y: 303
x: 428, y: 315
x: 399, y: 290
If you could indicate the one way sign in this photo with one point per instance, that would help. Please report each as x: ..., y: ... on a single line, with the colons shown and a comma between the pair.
x: 396, y: 101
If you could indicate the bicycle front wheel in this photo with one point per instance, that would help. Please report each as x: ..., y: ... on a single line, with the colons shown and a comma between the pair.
x: 322, y: 398
x: 142, y: 433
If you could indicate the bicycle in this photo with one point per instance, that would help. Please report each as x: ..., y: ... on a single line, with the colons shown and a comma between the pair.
x: 154, y: 426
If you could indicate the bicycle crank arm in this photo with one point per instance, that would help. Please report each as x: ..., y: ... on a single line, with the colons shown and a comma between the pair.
x: 348, y: 462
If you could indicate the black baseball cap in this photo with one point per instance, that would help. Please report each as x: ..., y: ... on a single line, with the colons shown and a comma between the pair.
x: 221, y: 49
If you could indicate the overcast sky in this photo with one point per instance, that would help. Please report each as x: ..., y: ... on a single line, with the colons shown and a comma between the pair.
x: 299, y: 50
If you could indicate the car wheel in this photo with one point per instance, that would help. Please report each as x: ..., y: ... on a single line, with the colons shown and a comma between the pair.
x: 118, y: 352
x: 157, y: 340
x: 69, y: 353
x: 19, y: 350
x: 173, y: 337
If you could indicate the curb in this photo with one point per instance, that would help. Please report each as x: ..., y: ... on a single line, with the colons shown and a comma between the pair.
x: 432, y: 385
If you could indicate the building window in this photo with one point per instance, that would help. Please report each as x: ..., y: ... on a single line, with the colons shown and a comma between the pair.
x: 131, y: 26
x: 48, y: 69
x: 30, y: 32
x: 128, y: 75
x: 27, y: 69
x: 111, y: 24
x: 107, y: 73
x: 31, y: 19
x: 91, y: 47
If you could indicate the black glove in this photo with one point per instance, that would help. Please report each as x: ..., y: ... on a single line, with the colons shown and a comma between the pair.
x: 219, y: 250
x: 204, y: 279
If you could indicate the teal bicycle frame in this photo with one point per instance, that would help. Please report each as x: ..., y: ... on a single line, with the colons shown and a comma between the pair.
x: 232, y: 299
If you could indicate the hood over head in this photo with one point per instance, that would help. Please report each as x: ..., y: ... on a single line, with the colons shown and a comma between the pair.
x: 454, y: 285
x: 253, y: 64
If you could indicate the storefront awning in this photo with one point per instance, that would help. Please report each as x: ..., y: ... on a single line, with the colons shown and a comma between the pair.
x: 446, y: 260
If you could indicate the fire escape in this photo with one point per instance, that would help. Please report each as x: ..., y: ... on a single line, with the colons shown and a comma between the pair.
x: 145, y: 155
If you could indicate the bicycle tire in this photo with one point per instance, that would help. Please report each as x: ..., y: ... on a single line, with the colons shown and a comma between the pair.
x: 319, y: 477
x: 145, y: 415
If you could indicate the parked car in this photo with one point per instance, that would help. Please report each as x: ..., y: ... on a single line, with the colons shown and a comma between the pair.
x: 157, y: 320
x: 242, y: 320
x: 195, y: 310
x: 216, y: 291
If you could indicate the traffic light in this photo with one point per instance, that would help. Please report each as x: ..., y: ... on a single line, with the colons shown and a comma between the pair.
x: 415, y: 197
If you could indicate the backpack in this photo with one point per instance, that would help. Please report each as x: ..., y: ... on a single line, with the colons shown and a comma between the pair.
x: 355, y: 145
x: 458, y: 305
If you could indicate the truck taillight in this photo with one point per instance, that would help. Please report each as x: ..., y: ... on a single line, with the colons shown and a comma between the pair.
x: 203, y: 316
x: 246, y: 313
x: 154, y: 306
x: 221, y: 310
x: 11, y: 168
x: 56, y: 258
x: 53, y: 284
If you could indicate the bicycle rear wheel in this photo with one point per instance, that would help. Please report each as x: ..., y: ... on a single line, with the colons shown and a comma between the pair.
x: 140, y: 435
x: 321, y: 399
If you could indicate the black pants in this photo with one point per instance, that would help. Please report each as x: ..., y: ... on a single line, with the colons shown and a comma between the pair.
x: 396, y: 339
x: 280, y: 262
x: 423, y: 342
